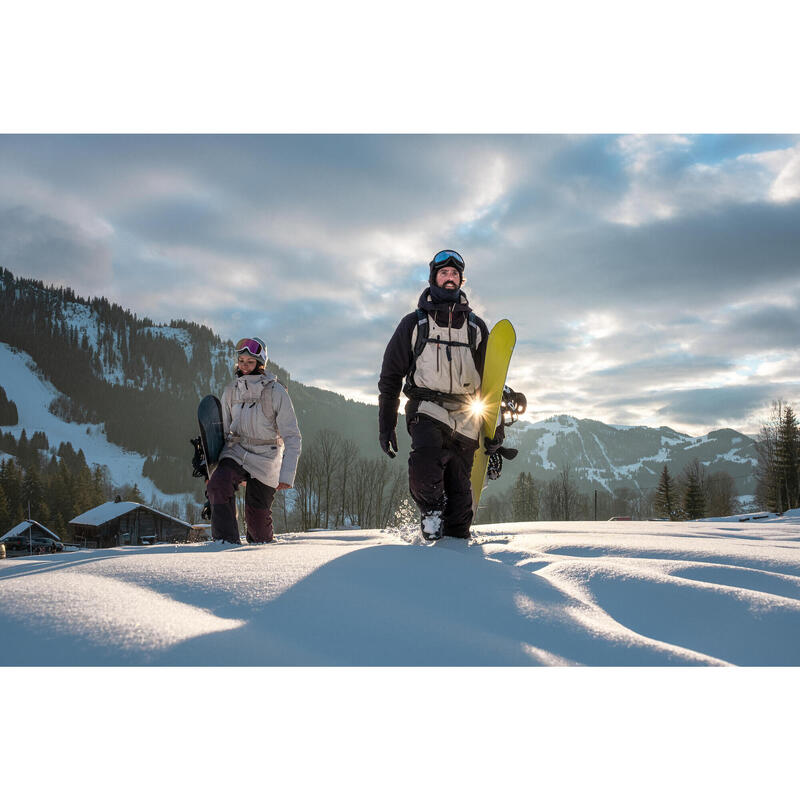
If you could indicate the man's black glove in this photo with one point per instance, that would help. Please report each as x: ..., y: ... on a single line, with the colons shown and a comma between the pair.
x: 387, y: 422
x: 388, y: 442
x: 491, y: 446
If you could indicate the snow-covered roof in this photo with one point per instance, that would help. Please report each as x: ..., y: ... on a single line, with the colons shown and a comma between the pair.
x: 25, y: 524
x: 99, y: 515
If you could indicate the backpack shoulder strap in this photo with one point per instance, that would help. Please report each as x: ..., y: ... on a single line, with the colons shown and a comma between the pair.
x: 267, y: 404
x: 423, y: 328
x: 472, y: 321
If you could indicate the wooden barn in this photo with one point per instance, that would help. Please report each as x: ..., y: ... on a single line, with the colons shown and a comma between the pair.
x: 124, y: 522
x: 28, y: 524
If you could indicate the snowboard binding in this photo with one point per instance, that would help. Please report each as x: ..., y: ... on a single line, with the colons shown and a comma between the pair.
x: 198, y: 460
x: 512, y: 406
x: 199, y: 470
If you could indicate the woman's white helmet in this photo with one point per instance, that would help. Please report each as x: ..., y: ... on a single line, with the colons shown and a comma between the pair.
x: 252, y: 346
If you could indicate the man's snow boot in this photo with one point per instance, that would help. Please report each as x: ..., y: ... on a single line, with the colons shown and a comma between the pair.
x: 431, y: 525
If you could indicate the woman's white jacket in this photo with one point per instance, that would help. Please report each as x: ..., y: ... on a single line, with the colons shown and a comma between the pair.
x: 261, y: 428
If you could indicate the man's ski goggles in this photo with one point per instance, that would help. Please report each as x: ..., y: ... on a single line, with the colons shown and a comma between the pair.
x: 444, y: 257
x: 250, y: 346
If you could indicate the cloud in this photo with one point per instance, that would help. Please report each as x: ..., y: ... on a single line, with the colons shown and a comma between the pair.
x: 732, y: 403
x: 669, y: 178
x: 52, y: 250
x: 786, y: 186
x: 633, y: 262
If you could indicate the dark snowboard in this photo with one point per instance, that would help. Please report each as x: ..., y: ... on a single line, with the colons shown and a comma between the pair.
x: 212, y: 436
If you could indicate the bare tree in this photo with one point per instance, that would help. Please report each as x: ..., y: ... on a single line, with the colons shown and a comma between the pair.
x: 307, y: 502
x: 349, y: 457
x: 560, y: 498
x: 721, y: 495
x: 358, y: 494
x: 375, y: 491
x: 398, y: 491
x: 642, y: 505
x: 280, y: 510
x: 568, y: 493
x: 329, y: 448
x: 550, y: 500
x: 623, y: 501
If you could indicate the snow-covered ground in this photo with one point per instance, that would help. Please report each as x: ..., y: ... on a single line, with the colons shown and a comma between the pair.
x: 522, y: 594
x: 32, y: 394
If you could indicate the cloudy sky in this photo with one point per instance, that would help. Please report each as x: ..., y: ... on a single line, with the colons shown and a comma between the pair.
x: 651, y: 279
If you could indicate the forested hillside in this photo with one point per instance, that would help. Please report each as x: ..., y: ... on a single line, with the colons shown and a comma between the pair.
x: 49, y: 487
x: 143, y: 381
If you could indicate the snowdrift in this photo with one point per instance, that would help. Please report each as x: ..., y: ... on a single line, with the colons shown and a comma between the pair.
x: 624, y: 594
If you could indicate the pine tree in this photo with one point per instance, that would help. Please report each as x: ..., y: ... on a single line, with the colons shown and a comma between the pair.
x: 101, y: 486
x: 39, y: 441
x: 694, y: 500
x: 8, y: 410
x: 525, y: 498
x: 133, y: 494
x: 787, y: 458
x: 23, y: 448
x: 33, y: 493
x: 767, y: 472
x: 59, y: 526
x: 665, y: 503
x: 5, y: 514
x: 11, y: 481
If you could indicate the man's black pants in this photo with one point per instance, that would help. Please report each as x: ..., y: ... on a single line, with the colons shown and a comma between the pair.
x: 439, y: 468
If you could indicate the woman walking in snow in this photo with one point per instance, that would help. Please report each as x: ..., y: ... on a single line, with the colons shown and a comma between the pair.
x: 262, y: 447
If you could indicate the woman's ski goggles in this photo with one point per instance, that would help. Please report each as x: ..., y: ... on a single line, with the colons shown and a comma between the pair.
x: 444, y: 257
x: 251, y: 346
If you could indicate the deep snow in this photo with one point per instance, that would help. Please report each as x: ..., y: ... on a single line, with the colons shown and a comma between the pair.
x: 523, y: 594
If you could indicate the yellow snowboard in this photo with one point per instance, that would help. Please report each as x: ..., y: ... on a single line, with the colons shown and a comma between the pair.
x: 499, y: 348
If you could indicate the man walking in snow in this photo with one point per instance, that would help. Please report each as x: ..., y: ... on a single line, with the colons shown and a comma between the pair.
x: 439, y: 351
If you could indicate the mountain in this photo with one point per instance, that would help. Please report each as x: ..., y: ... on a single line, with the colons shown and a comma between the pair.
x: 117, y: 379
x: 607, y: 457
x: 139, y: 383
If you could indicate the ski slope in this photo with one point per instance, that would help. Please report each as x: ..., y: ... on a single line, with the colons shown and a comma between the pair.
x: 32, y: 394
x: 523, y: 594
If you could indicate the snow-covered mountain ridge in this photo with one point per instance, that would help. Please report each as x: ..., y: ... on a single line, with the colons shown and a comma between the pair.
x: 608, y: 456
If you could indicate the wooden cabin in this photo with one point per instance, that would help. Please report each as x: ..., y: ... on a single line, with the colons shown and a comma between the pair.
x: 124, y: 522
x: 38, y: 529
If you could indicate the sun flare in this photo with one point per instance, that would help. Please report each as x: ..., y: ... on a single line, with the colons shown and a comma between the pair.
x: 477, y: 407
